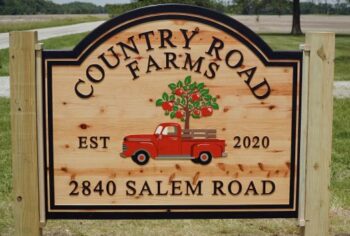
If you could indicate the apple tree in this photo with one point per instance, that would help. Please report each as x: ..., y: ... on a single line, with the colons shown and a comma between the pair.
x: 187, y: 99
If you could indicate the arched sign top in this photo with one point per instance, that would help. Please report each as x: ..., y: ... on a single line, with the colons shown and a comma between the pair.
x: 175, y: 11
x: 182, y: 84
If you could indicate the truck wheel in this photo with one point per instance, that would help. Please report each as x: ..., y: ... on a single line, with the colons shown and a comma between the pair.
x: 195, y: 161
x: 141, y: 158
x: 204, y: 158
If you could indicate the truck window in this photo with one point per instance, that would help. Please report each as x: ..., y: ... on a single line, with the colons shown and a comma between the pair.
x: 159, y: 129
x: 170, y: 130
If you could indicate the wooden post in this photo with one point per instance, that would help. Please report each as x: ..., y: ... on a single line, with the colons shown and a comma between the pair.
x: 303, y: 132
x: 24, y: 133
x: 40, y: 117
x: 319, y: 133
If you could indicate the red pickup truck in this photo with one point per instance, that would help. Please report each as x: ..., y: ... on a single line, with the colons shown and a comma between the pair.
x: 170, y: 142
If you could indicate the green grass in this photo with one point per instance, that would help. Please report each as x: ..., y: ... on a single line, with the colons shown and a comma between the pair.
x: 282, y: 41
x: 8, y: 27
x: 342, y: 50
x: 341, y: 153
x: 4, y: 62
x: 340, y: 189
x: 276, y: 41
x: 6, y: 218
x: 64, y: 42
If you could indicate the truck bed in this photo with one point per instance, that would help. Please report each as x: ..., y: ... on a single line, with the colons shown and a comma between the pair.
x: 199, y: 133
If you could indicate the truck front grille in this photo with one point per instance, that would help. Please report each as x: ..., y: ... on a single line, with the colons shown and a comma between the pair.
x: 124, y: 147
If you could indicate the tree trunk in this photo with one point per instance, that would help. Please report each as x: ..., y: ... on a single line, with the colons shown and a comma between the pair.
x: 296, y: 29
x: 187, y: 120
x: 187, y: 114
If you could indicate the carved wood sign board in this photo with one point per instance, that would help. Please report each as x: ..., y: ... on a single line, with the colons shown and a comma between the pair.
x: 172, y: 111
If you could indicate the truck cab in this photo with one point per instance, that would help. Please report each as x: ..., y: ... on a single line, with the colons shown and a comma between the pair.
x: 168, y: 139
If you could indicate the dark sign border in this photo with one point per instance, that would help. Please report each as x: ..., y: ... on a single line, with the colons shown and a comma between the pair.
x: 174, y: 11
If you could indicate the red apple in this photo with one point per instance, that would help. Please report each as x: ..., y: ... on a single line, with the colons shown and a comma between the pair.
x: 179, y: 114
x: 179, y: 91
x: 196, y: 112
x: 207, y: 111
x: 167, y: 106
x: 195, y: 97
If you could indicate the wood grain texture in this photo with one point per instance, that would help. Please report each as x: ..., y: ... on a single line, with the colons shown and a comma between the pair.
x: 24, y: 133
x: 122, y: 106
x: 319, y: 139
x: 40, y: 130
x: 303, y: 134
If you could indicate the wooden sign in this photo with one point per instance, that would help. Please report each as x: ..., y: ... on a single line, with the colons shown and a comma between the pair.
x: 172, y: 111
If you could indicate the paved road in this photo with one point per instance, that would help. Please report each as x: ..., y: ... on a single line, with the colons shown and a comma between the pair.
x: 282, y: 24
x: 341, y: 88
x: 46, y: 33
x: 259, y: 24
x: 47, y: 17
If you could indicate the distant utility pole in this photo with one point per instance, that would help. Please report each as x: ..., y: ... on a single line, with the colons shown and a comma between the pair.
x: 296, y: 29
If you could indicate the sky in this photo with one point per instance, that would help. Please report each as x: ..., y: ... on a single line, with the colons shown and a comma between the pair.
x: 103, y: 2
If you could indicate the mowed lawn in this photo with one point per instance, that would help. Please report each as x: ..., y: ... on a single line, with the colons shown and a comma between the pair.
x: 340, y: 182
x: 64, y: 42
x: 342, y: 50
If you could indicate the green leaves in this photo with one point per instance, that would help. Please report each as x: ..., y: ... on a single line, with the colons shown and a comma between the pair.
x: 188, y: 80
x: 207, y: 97
x: 165, y: 96
x: 196, y: 104
x: 193, y: 86
x: 179, y: 84
x: 215, y: 106
x: 172, y: 86
x: 200, y: 86
x: 183, y: 101
x: 172, y: 115
x: 159, y: 102
x: 195, y: 116
x: 204, y: 92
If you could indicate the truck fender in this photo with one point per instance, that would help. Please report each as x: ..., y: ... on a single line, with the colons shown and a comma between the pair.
x: 214, y: 149
x: 147, y: 147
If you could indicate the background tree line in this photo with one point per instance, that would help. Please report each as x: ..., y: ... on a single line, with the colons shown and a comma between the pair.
x: 28, y: 7
x: 244, y: 7
x: 247, y: 7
